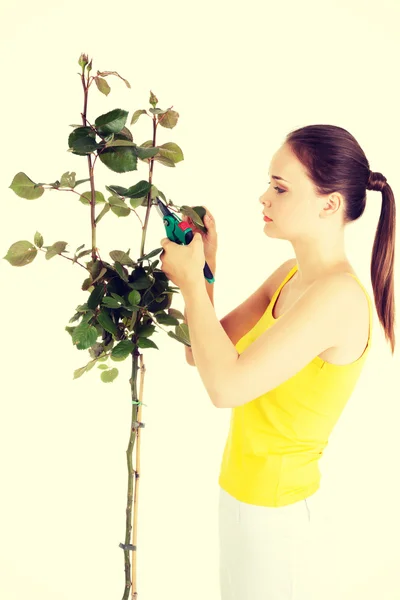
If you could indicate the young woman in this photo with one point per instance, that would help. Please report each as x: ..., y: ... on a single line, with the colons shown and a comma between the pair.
x: 303, y: 338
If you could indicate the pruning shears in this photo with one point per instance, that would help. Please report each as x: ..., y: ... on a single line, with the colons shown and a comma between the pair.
x: 179, y: 231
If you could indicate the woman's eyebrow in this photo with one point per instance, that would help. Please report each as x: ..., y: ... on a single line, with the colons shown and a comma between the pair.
x: 277, y: 177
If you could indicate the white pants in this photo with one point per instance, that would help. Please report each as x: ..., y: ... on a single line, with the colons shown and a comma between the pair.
x: 264, y: 551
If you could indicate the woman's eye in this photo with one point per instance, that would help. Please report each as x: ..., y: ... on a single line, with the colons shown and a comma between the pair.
x: 278, y: 189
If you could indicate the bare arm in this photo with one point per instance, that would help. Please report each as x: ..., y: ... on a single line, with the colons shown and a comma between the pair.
x: 210, y: 291
x: 243, y: 318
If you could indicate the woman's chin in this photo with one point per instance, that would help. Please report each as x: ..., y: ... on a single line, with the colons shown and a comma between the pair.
x: 271, y: 231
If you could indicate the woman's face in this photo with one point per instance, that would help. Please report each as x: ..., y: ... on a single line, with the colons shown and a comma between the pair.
x: 291, y: 202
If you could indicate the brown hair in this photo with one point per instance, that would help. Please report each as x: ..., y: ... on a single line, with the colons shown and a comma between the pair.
x: 334, y: 161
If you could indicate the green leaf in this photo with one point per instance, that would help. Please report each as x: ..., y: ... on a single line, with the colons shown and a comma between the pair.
x: 142, y: 149
x: 172, y: 151
x: 79, y: 372
x: 84, y: 336
x: 96, y: 296
x: 111, y: 302
x: 81, y: 181
x: 68, y: 179
x: 82, y: 141
x: 145, y: 330
x: 154, y: 192
x: 123, y: 273
x: 122, y: 257
x: 86, y: 197
x: 175, y: 337
x: 117, y: 189
x: 86, y: 317
x: 181, y: 334
x: 152, y: 253
x: 136, y: 115
x: 117, y: 201
x: 109, y: 375
x: 134, y: 298
x: 102, y: 367
x: 99, y: 276
x: 141, y: 283
x: 143, y: 152
x: 124, y: 134
x: 119, y: 160
x: 165, y: 319
x: 112, y: 121
x: 106, y: 322
x: 146, y: 343
x: 170, y: 119
x: 197, y: 214
x: 164, y: 161
x: 102, y: 85
x: 23, y: 186
x: 21, y: 253
x: 113, y: 143
x: 121, y: 211
x: 55, y: 249
x: 105, y: 210
x: 139, y: 190
x: 118, y: 297
x: 38, y: 239
x: 176, y: 313
x: 122, y: 350
x: 135, y: 202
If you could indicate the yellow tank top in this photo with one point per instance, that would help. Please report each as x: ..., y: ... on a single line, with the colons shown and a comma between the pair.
x: 275, y: 441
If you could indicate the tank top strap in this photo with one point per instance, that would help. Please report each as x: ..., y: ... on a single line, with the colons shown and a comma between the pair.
x: 293, y: 271
x: 288, y: 276
x: 277, y: 291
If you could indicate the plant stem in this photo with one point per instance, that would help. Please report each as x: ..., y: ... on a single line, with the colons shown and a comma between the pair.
x: 131, y: 472
x: 135, y: 432
x: 68, y: 258
x: 91, y: 174
x: 137, y: 475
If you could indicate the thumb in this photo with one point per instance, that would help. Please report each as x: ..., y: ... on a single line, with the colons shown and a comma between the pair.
x: 197, y: 236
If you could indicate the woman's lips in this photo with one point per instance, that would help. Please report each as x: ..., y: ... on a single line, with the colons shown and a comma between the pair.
x: 267, y: 218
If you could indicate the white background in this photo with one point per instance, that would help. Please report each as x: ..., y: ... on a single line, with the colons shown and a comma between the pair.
x: 241, y: 76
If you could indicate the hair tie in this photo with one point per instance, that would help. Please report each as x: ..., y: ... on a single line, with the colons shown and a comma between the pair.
x: 376, y: 181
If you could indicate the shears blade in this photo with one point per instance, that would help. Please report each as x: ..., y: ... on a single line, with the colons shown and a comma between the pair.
x: 162, y: 208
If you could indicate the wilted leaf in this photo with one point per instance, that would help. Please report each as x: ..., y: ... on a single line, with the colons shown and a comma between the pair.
x: 169, y: 119
x: 38, y: 239
x: 136, y: 115
x: 109, y: 375
x: 23, y: 186
x: 102, y: 85
x: 21, y: 253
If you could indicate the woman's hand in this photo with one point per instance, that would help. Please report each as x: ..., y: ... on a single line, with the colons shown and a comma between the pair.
x: 183, y: 264
x: 210, y: 238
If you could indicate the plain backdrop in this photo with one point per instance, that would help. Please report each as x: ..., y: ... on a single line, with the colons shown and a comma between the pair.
x: 241, y: 75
